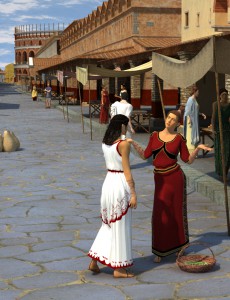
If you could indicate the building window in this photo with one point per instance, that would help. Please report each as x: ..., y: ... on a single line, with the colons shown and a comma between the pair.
x: 150, y: 24
x: 198, y: 20
x: 186, y: 19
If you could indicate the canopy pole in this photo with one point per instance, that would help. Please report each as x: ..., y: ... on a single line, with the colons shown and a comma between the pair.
x: 82, y: 116
x: 161, y: 97
x: 90, y: 117
x: 66, y: 100
x: 221, y: 141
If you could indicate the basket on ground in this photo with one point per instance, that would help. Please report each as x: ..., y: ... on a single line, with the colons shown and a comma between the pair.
x: 195, y: 263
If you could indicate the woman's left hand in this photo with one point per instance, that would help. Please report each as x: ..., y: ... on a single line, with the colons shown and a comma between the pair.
x: 133, y: 131
x: 204, y: 116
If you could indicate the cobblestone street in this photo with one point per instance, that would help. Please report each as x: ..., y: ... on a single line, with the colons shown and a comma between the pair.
x: 49, y: 217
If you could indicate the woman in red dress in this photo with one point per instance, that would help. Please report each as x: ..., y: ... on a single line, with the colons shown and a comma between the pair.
x: 169, y: 218
x: 104, y: 113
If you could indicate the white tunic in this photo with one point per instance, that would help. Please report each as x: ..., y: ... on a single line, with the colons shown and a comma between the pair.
x: 113, y: 246
x: 121, y: 108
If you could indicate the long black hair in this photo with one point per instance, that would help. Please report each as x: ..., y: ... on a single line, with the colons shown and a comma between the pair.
x: 114, y: 129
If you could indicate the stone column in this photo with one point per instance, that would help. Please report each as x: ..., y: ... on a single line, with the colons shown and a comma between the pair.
x: 227, y: 84
x: 135, y: 86
x: 156, y: 101
x: 117, y: 88
x: 185, y: 92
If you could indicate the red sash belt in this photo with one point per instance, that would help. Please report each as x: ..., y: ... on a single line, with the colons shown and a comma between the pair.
x: 116, y: 171
x: 166, y: 170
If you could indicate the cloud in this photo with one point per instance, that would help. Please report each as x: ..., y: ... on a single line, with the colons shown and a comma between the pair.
x: 3, y: 64
x: 14, y: 6
x: 7, y: 35
x: 79, y: 2
x: 37, y: 17
x: 4, y: 52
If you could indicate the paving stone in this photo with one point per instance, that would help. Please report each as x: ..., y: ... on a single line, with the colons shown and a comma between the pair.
x: 54, y: 236
x: 3, y: 285
x: 49, y: 245
x: 14, y: 268
x: 151, y: 291
x: 79, y: 292
x: 45, y: 280
x: 35, y: 228
x: 11, y: 251
x: 78, y: 264
x: 209, y: 288
x: 20, y: 241
x: 50, y: 255
x: 9, y: 295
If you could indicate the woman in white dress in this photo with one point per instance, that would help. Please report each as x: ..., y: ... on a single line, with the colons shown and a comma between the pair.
x: 113, y: 245
x: 191, y: 120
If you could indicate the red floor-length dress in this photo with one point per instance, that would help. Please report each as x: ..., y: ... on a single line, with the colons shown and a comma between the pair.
x: 169, y: 219
x: 104, y: 113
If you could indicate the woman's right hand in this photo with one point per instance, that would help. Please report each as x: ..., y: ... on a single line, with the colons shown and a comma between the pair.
x: 133, y: 201
x: 129, y: 141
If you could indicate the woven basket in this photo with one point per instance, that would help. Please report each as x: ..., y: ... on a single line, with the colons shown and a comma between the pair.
x: 195, y: 263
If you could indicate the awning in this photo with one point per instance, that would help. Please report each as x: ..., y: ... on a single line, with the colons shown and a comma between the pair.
x: 94, y: 72
x: 185, y: 73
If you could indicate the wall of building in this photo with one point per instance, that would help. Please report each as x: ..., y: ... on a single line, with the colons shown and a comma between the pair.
x: 2, y: 76
x: 119, y: 27
x: 29, y: 39
x: 51, y: 51
x: 201, y: 18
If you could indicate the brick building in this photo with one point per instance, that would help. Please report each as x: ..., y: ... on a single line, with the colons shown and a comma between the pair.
x: 120, y: 33
x: 28, y: 41
x: 200, y: 20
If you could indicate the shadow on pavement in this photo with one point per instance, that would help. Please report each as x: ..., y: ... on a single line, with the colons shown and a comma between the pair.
x: 9, y: 106
x: 139, y: 165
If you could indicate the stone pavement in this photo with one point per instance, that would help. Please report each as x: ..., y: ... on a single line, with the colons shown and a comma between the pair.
x: 49, y: 217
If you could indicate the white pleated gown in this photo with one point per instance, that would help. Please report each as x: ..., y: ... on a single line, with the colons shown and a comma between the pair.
x: 113, y: 243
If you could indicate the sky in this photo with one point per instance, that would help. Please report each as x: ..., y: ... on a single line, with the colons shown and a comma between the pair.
x: 27, y: 12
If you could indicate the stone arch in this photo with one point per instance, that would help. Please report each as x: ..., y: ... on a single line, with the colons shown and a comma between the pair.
x: 24, y: 57
x: 31, y: 54
x: 18, y: 57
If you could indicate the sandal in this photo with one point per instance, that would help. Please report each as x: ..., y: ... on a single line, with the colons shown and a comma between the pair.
x: 125, y: 274
x: 157, y: 259
x: 94, y: 269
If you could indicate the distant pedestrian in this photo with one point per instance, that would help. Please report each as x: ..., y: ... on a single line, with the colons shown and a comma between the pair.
x: 48, y: 91
x: 191, y: 120
x: 34, y: 93
x: 123, y: 93
x: 104, y: 112
x: 112, y: 246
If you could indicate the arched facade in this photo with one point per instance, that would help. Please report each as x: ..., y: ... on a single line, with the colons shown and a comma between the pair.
x: 28, y: 41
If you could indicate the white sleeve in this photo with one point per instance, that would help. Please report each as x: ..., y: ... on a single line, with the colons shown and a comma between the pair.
x: 113, y: 110
x: 129, y: 110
